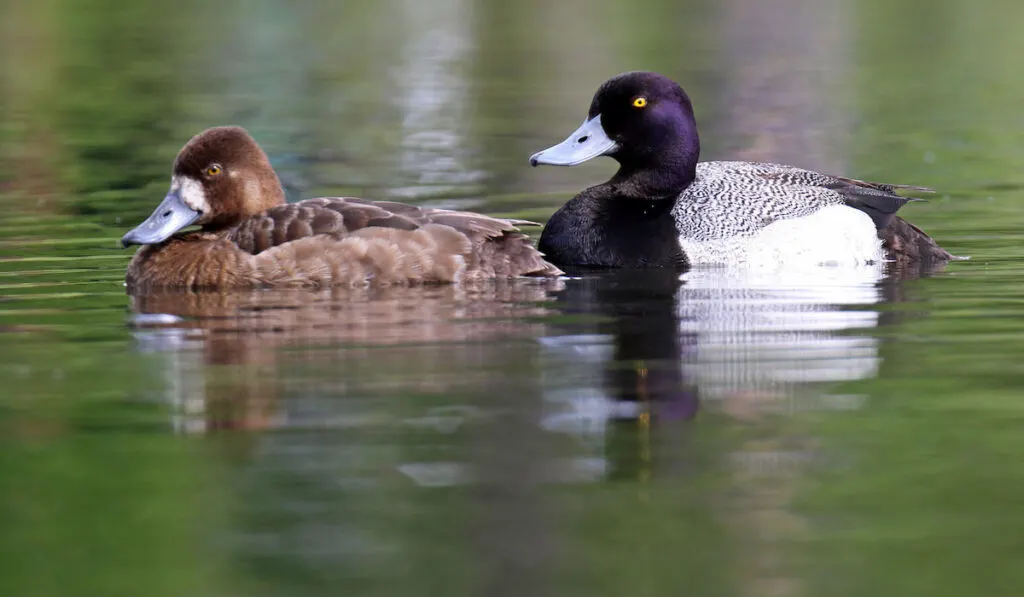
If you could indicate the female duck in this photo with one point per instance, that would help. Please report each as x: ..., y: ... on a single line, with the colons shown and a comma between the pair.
x: 664, y: 209
x: 248, y: 236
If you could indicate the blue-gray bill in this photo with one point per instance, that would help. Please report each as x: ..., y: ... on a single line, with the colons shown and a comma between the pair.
x: 169, y: 217
x: 587, y: 142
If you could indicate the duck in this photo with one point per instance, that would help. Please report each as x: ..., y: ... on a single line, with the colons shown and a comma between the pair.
x: 665, y: 208
x: 248, y: 236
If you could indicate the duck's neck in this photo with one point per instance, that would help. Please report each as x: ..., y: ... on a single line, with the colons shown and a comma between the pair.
x: 662, y: 169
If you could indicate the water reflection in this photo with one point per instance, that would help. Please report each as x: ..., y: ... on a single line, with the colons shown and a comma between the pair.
x: 229, y: 356
x: 653, y: 349
x: 617, y: 355
x: 762, y: 339
x: 433, y: 99
x: 617, y: 370
x: 376, y: 398
x: 366, y: 408
x: 671, y: 361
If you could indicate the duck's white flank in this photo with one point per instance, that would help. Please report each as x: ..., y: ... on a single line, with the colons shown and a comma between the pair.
x: 832, y: 235
x: 769, y: 215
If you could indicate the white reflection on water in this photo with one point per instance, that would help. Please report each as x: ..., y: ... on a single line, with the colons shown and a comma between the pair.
x: 227, y: 359
x: 764, y: 341
x: 768, y: 333
x: 433, y: 98
x: 182, y: 360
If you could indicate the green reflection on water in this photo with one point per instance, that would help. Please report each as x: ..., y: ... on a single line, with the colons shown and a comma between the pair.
x: 97, y: 498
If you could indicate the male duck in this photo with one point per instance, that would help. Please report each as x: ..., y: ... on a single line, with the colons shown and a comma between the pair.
x: 664, y: 209
x: 248, y: 236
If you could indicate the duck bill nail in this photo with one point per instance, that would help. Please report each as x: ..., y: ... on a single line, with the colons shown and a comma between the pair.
x: 585, y: 143
x: 169, y: 217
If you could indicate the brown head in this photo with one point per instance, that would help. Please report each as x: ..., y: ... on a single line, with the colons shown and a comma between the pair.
x: 220, y: 178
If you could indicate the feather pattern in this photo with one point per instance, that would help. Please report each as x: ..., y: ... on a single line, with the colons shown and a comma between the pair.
x: 339, y: 217
x: 738, y: 199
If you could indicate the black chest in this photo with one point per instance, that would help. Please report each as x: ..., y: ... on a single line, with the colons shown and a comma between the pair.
x: 626, y: 233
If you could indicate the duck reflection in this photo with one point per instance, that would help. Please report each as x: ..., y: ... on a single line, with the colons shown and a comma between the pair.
x: 645, y: 351
x: 620, y: 365
x: 223, y: 352
x: 626, y: 359
x: 780, y: 341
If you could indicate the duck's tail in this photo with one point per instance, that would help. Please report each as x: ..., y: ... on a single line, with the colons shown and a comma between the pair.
x: 907, y: 244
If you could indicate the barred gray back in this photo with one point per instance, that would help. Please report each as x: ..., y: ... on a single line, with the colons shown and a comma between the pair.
x: 735, y: 199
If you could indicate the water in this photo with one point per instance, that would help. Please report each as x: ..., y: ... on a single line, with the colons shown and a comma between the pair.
x: 842, y: 433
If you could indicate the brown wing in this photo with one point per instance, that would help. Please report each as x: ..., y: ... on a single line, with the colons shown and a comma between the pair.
x: 475, y: 226
x: 499, y: 249
x: 331, y: 216
x: 496, y: 247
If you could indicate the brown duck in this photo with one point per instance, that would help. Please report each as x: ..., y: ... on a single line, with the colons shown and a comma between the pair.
x: 249, y: 236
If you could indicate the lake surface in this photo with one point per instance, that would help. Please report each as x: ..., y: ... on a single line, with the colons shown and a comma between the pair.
x: 844, y: 432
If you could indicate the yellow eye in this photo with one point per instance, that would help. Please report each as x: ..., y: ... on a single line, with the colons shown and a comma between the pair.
x: 213, y: 170
x: 640, y: 102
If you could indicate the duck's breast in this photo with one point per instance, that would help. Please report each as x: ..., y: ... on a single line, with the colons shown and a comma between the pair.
x: 191, y: 260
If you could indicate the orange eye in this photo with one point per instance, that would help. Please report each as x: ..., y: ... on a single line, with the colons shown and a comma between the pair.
x: 213, y: 170
x: 640, y: 102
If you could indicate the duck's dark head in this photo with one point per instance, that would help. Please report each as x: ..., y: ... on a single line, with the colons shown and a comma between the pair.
x: 645, y: 122
x: 220, y: 177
